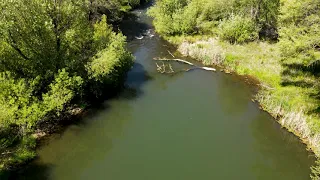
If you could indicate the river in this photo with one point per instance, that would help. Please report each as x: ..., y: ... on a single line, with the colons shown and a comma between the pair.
x: 185, y: 126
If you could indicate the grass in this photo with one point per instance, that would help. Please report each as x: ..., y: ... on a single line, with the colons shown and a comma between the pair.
x: 21, y: 153
x: 287, y: 93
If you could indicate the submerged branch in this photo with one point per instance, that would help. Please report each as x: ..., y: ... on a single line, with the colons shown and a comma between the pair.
x: 186, y: 62
x: 170, y: 53
x: 179, y: 60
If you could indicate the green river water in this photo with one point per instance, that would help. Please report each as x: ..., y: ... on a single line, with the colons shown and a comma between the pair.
x: 196, y: 125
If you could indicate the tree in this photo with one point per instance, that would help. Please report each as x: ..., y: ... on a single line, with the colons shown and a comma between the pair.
x: 203, y: 16
x: 50, y: 52
x: 300, y: 30
x: 40, y: 37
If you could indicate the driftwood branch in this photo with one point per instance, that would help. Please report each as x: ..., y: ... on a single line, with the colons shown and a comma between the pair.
x: 170, y: 53
x: 179, y: 60
x: 186, y: 62
x: 163, y: 68
x: 267, y: 87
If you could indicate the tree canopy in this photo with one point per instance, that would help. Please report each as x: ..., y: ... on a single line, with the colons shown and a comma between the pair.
x: 54, y: 54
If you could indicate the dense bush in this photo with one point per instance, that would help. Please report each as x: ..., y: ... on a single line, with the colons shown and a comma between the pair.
x: 172, y: 17
x: 166, y: 15
x: 53, y: 50
x: 238, y: 29
x: 54, y: 54
x: 300, y: 31
x: 114, y: 9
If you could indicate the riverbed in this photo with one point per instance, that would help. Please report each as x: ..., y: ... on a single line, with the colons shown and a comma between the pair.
x: 188, y: 125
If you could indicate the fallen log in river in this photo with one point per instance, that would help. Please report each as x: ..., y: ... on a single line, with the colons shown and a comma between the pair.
x: 186, y: 62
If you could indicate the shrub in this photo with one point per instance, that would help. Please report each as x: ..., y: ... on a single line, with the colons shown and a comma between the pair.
x: 173, y: 17
x: 62, y: 91
x: 238, y: 29
x: 166, y: 13
x: 299, y: 32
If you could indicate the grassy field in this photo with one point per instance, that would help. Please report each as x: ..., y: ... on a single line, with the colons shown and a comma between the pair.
x: 287, y: 93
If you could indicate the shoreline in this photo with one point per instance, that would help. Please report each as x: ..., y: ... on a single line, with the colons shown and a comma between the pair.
x: 47, y: 129
x: 43, y: 132
x: 295, y: 122
x: 24, y: 151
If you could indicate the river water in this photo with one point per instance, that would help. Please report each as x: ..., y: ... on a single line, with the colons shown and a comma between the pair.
x: 196, y: 125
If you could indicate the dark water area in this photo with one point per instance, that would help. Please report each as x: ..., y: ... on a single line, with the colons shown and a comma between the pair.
x: 189, y: 126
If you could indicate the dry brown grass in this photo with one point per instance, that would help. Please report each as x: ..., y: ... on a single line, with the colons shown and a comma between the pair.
x: 207, y: 51
x: 296, y: 121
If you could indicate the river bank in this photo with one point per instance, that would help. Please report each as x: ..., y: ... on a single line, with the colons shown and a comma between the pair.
x: 290, y: 104
x: 150, y: 132
x: 20, y: 138
x: 25, y: 151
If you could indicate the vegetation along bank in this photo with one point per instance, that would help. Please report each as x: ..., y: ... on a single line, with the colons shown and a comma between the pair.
x: 275, y: 41
x: 56, y: 58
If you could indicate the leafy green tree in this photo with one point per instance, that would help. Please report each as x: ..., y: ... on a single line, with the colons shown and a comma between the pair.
x: 50, y: 52
x: 203, y: 16
x: 300, y: 30
x: 238, y: 29
x: 18, y: 103
x: 109, y: 64
x: 62, y: 90
x: 165, y: 12
x: 40, y: 37
x: 54, y: 54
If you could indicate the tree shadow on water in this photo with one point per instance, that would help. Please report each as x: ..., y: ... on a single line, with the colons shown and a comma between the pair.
x: 136, y: 78
x: 34, y: 171
x: 132, y: 26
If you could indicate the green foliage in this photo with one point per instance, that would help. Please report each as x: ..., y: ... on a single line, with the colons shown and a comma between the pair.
x: 61, y: 92
x: 36, y: 36
x: 21, y: 107
x: 42, y: 42
x: 168, y: 12
x: 102, y: 34
x: 111, y: 61
x: 54, y: 54
x: 288, y: 69
x: 300, y: 30
x: 115, y: 9
x: 132, y: 3
x: 299, y: 44
x: 23, y: 153
x: 17, y: 102
x: 238, y: 29
x: 173, y: 17
x: 108, y: 59
x: 315, y: 171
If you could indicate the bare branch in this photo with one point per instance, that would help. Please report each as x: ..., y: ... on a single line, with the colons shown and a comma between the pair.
x: 170, y: 53
x: 186, y: 62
